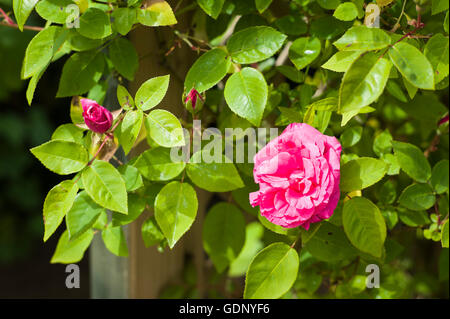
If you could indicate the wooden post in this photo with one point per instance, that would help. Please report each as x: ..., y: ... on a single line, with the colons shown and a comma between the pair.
x: 146, y: 271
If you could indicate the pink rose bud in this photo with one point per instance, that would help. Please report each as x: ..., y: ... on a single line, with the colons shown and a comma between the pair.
x: 298, y: 173
x: 194, y: 101
x: 96, y: 117
x: 443, y: 120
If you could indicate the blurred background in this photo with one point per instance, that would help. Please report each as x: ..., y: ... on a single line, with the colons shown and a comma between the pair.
x: 25, y: 269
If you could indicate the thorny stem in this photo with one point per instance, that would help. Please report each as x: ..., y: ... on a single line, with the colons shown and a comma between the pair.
x: 8, y: 22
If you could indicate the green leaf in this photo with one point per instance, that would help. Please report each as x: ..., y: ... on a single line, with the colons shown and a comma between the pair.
x: 437, y: 52
x: 444, y: 235
x: 61, y: 157
x: 213, y: 177
x: 54, y: 10
x: 223, y: 234
x: 94, y: 24
x: 106, y: 186
x: 327, y: 27
x: 329, y: 4
x: 68, y: 132
x: 131, y: 176
x: 304, y: 51
x: 175, y: 210
x: 364, y: 225
x: 262, y: 5
x: 136, y: 206
x: 341, y: 61
x: 151, y: 92
x: 437, y: 6
x: 361, y: 173
x: 330, y: 244
x: 391, y: 217
x: 80, y: 73
x: 440, y: 177
x: 445, y: 24
x: 81, y: 43
x: 164, y: 128
x: 128, y: 130
x: 413, y: 65
x: 392, y: 162
x: 255, y: 44
x: 70, y: 252
x: 387, y: 193
x: 246, y: 94
x: 124, y: 97
x: 253, y: 244
x: 346, y: 11
x: 211, y: 7
x: 413, y: 218
x: 124, y: 19
x: 412, y: 161
x: 208, y: 70
x: 22, y: 10
x: 272, y: 272
x: 351, y: 136
x: 57, y: 203
x: 382, y: 144
x: 32, y: 85
x: 151, y: 234
x: 362, y: 38
x: 417, y: 197
x: 101, y: 222
x: 124, y: 57
x: 364, y: 82
x: 115, y: 241
x: 292, y: 24
x: 40, y: 51
x: 156, y: 164
x: 82, y: 215
x: 157, y: 14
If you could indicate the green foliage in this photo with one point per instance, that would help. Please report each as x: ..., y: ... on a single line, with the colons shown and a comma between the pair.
x: 246, y: 94
x: 164, y: 128
x: 105, y: 186
x: 175, y: 210
x: 208, y: 70
x: 152, y: 92
x: 61, y: 157
x: 254, y: 44
x: 214, y: 177
x: 364, y: 225
x: 381, y: 91
x: 223, y: 234
x: 58, y: 202
x: 272, y: 272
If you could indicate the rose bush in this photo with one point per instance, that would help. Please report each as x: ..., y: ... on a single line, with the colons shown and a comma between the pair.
x: 359, y: 177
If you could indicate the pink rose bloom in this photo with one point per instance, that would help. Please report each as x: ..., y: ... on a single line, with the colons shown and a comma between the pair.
x: 96, y: 117
x: 298, y: 173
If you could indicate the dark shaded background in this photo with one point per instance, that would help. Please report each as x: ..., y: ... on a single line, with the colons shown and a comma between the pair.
x: 25, y: 269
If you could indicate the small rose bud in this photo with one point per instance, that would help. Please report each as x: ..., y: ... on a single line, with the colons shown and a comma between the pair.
x: 96, y: 117
x: 194, y: 101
